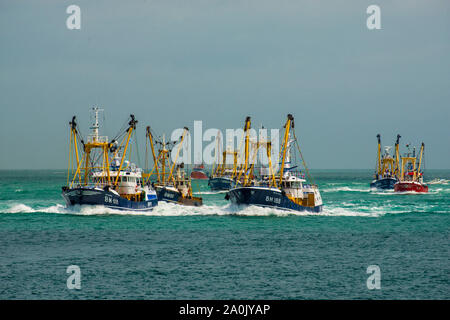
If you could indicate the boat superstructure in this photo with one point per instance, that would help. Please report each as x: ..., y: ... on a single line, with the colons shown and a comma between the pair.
x: 387, y: 169
x: 172, y: 184
x: 286, y: 189
x: 99, y: 172
x: 411, y: 174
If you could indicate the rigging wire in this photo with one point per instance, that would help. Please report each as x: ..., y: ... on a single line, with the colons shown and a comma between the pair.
x: 303, y: 160
x: 135, y: 136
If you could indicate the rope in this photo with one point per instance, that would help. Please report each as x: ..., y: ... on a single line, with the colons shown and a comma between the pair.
x: 70, y: 157
x: 303, y: 160
x: 146, y: 155
x: 137, y: 150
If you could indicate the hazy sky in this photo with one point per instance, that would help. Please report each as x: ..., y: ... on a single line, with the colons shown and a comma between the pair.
x: 172, y: 62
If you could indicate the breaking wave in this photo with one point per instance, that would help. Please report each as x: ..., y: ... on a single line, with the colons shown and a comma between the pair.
x: 169, y: 209
x: 432, y: 190
x: 346, y: 189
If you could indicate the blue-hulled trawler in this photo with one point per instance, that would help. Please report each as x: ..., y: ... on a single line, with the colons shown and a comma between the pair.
x: 287, y: 189
x: 172, y: 183
x: 387, y: 169
x: 223, y: 176
x: 100, y: 174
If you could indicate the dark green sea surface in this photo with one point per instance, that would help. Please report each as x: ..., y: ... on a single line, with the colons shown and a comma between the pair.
x: 224, y: 252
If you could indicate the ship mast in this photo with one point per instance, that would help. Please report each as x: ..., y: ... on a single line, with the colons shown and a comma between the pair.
x: 95, y: 126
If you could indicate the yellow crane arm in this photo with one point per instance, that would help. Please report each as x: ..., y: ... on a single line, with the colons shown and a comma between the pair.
x: 379, y: 155
x: 246, y: 138
x: 155, y: 161
x: 285, y: 142
x: 420, y: 158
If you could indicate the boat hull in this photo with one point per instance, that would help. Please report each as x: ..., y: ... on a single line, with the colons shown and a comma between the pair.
x: 384, y: 184
x: 220, y: 183
x: 410, y: 187
x: 266, y: 197
x: 199, y: 175
x: 100, y: 197
x: 169, y: 195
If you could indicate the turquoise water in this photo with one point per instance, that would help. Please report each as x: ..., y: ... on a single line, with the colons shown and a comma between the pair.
x: 223, y: 252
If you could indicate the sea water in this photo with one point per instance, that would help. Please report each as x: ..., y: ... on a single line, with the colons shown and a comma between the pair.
x: 220, y: 251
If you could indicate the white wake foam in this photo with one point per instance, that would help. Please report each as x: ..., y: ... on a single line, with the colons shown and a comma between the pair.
x: 170, y: 209
x: 19, y: 208
x: 211, y: 192
x: 345, y: 188
x: 23, y: 208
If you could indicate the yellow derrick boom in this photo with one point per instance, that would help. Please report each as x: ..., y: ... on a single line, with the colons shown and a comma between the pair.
x: 287, y: 129
x: 244, y: 166
x: 422, y: 147
x: 379, y: 155
x: 155, y: 160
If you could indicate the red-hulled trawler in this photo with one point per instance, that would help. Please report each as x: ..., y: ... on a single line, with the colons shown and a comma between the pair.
x: 411, y: 177
x: 198, y: 172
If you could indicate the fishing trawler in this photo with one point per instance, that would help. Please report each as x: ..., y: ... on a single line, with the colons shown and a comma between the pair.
x: 172, y: 184
x: 198, y: 172
x: 411, y: 175
x: 100, y: 174
x: 286, y: 190
x: 387, y: 167
x: 222, y: 176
